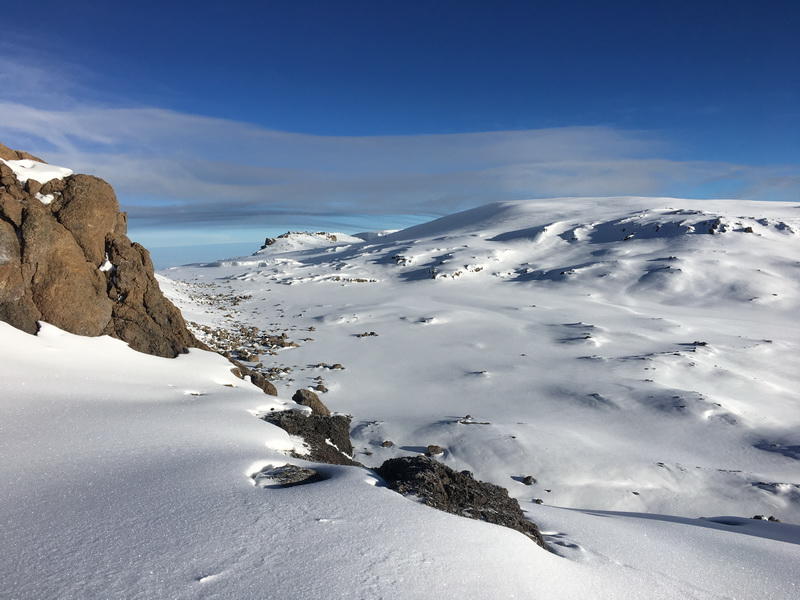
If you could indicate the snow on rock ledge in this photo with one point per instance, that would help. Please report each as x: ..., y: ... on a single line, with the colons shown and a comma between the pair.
x: 38, y: 171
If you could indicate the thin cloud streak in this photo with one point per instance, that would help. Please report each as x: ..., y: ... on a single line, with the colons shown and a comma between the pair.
x: 173, y: 169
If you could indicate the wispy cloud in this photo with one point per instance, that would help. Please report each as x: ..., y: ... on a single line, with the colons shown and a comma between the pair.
x: 181, y: 170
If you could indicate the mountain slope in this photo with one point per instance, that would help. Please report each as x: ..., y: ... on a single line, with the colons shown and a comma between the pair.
x: 632, y: 354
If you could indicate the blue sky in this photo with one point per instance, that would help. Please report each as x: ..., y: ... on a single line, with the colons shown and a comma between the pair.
x: 223, y: 123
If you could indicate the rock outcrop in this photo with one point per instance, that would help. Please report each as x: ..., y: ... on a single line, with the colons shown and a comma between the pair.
x: 65, y: 259
x: 7, y: 153
x: 327, y: 438
x: 441, y: 487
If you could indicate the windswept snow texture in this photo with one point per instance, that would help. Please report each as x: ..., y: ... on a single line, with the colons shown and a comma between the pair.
x: 42, y: 172
x: 133, y: 476
x: 643, y: 382
x: 633, y: 354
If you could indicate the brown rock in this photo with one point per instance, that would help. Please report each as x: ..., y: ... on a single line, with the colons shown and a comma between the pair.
x: 310, y: 399
x: 49, y: 259
x: 54, y: 186
x: 89, y: 209
x: 69, y: 292
x: 141, y: 315
x: 434, y: 450
x: 32, y: 187
x: 10, y: 208
x: 265, y: 384
x: 7, y: 153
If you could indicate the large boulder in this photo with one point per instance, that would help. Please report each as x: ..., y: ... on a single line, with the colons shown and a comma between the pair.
x: 70, y: 263
x: 441, y: 487
x: 308, y: 398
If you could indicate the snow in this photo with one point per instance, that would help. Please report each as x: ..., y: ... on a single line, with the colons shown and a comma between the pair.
x: 119, y: 484
x: 45, y: 198
x: 649, y: 385
x: 42, y: 172
x: 107, y: 265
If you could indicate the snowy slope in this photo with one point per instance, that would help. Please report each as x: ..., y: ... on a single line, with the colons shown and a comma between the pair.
x: 632, y: 354
x: 128, y: 476
x: 293, y: 241
x: 641, y: 397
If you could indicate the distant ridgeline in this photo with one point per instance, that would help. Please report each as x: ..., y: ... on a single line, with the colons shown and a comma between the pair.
x: 65, y: 259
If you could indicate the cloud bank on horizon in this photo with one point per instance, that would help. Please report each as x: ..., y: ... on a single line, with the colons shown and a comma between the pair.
x: 181, y: 171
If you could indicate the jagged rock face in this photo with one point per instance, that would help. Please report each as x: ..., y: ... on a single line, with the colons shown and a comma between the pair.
x: 50, y: 259
x: 441, y: 487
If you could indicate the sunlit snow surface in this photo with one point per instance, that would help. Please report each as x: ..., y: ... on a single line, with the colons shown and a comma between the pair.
x: 38, y: 171
x: 634, y: 379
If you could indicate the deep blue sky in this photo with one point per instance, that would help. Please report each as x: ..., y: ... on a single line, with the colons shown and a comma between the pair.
x: 713, y: 81
x: 378, y: 67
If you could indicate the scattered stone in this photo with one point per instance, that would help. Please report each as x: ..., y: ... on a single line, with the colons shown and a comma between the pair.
x: 434, y: 450
x: 286, y: 476
x: 538, y: 501
x: 310, y: 399
x: 366, y: 334
x: 468, y: 420
x: 387, y: 443
x: 322, y: 365
x: 443, y: 488
x: 529, y: 480
x: 320, y: 388
x: 258, y: 380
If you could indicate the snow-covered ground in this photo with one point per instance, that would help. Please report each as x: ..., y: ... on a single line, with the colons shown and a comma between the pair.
x: 635, y: 364
x: 622, y: 354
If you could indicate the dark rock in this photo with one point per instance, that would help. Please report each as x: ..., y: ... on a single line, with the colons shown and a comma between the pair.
x: 320, y: 387
x: 387, y: 443
x: 529, y: 480
x: 443, y: 488
x: 316, y: 430
x: 285, y: 476
x: 310, y: 399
